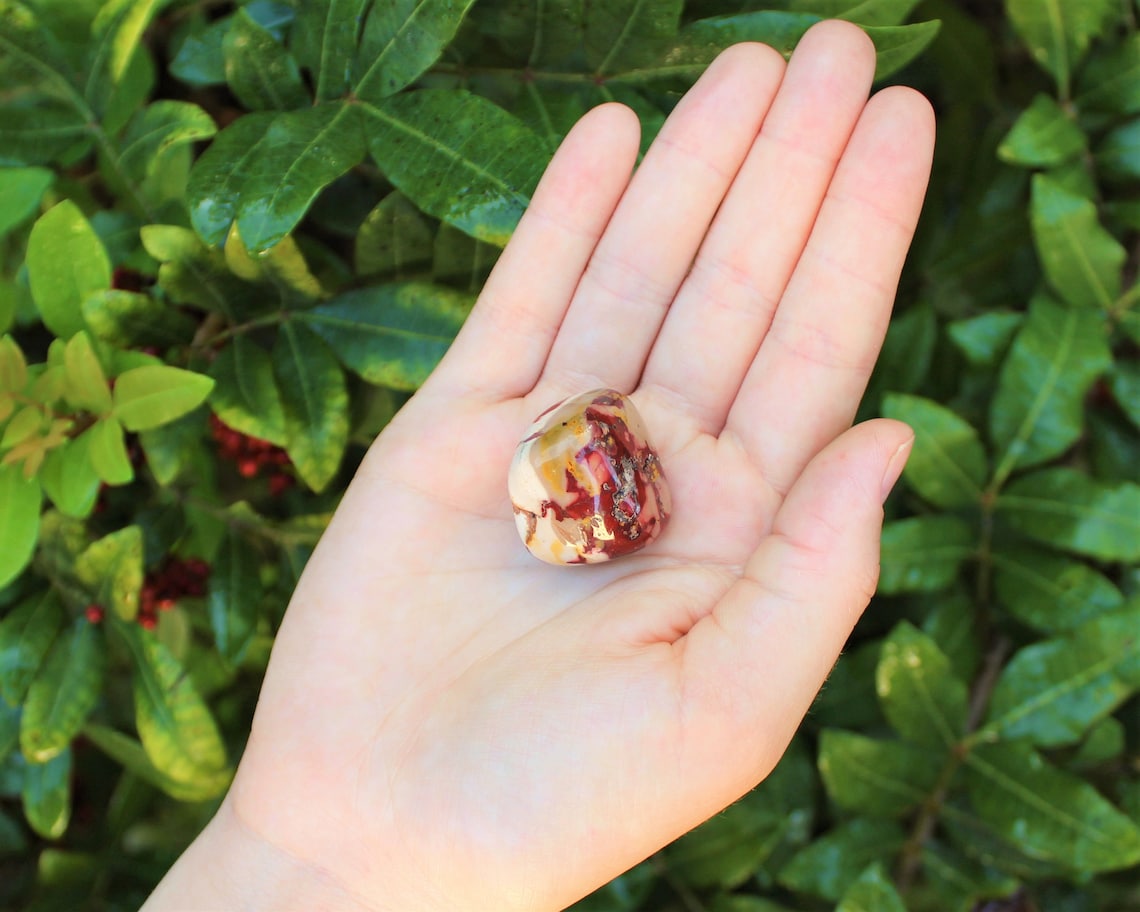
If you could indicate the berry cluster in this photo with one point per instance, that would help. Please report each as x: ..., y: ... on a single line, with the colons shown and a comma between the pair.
x: 251, y: 455
x: 163, y: 587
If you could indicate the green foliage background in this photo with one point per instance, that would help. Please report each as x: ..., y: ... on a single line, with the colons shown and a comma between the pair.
x: 278, y: 213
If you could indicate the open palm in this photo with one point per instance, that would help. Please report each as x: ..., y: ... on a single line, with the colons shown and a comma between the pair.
x: 448, y: 723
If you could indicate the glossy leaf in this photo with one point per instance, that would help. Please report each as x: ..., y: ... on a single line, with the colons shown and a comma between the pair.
x: 63, y: 693
x: 302, y: 152
x: 21, y: 190
x: 26, y: 635
x: 960, y: 883
x: 260, y: 72
x: 1058, y: 32
x: 33, y: 136
x: 1082, y: 261
x: 133, y: 757
x: 315, y: 399
x: 234, y: 596
x: 1067, y: 509
x: 1111, y: 80
x: 392, y: 335
x: 160, y: 126
x: 130, y: 320
x: 921, y: 697
x: 66, y: 262
x: 872, y: 892
x: 116, y: 37
x: 1125, y: 385
x: 393, y: 240
x: 1038, y: 409
x: 46, y: 795
x: 20, y: 500
x: 107, y: 448
x: 214, y: 190
x: 878, y: 778
x: 1049, y: 814
x: 898, y: 45
x: 1053, y: 691
x: 283, y: 266
x: 923, y: 553
x: 175, y: 726
x: 1050, y: 592
x: 68, y: 478
x: 834, y: 861
x: 86, y: 384
x: 864, y: 12
x: 245, y: 394
x: 458, y: 157
x: 401, y: 39
x: 112, y: 570
x: 947, y: 465
x: 983, y: 339
x: 324, y: 37
x: 147, y: 397
x: 627, y: 34
x: 1043, y: 136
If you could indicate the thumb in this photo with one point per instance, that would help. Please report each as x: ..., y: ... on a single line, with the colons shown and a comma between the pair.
x: 762, y: 655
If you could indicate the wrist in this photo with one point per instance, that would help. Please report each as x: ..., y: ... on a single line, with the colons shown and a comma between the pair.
x: 229, y: 867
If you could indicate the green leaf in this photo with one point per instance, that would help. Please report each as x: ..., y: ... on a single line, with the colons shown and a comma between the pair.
x: 1111, y: 80
x: 1118, y: 154
x: 303, y: 151
x: 46, y: 794
x: 26, y: 635
x: 116, y: 35
x: 923, y: 553
x: 954, y: 623
x: 130, y: 320
x: 834, y: 861
x: 1054, y: 691
x: 175, y: 726
x: 9, y: 737
x: 1066, y: 509
x: 245, y: 394
x: 1050, y: 592
x: 260, y: 72
x: 86, y: 384
x: 1038, y: 410
x: 458, y: 157
x: 13, y: 366
x: 1082, y: 261
x: 107, y: 449
x: 20, y: 500
x: 879, y: 778
x: 898, y: 45
x: 848, y: 696
x: 958, y: 882
x: 63, y: 693
x: 1043, y: 136
x: 214, y: 190
x: 315, y: 398
x: 401, y: 39
x: 984, y: 338
x: 392, y: 335
x: 33, y: 136
x: 69, y: 479
x: 112, y: 570
x: 147, y: 397
x: 1048, y: 814
x: 1058, y: 32
x: 324, y: 37
x: 21, y: 190
x: 132, y: 756
x: 160, y: 126
x: 626, y: 34
x: 66, y: 262
x: 174, y: 448
x: 234, y: 596
x: 192, y: 273
x: 872, y: 892
x: 948, y: 463
x: 864, y: 12
x: 1125, y: 385
x: 921, y: 697
x: 393, y: 240
x: 283, y: 266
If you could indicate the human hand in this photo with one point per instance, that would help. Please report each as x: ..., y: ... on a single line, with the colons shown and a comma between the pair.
x: 447, y: 723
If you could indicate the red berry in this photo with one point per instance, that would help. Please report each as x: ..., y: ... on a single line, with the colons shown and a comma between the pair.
x: 166, y: 604
x: 279, y: 483
x: 94, y: 613
x: 148, y: 621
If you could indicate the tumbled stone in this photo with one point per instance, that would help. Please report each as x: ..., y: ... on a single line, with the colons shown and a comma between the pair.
x: 586, y: 484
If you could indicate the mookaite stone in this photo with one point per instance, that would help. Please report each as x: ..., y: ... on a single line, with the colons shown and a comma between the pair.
x: 586, y: 484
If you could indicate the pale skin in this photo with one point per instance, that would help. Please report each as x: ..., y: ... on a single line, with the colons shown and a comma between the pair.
x: 449, y: 724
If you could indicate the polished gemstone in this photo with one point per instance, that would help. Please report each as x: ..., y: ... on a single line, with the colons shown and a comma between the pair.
x: 586, y: 484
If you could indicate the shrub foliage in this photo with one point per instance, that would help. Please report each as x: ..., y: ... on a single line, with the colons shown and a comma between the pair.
x: 235, y: 236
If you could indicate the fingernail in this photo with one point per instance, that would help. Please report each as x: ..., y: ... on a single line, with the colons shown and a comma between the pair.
x: 895, y: 467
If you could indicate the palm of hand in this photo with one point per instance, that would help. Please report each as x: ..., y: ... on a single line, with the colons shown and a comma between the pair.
x: 449, y: 714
